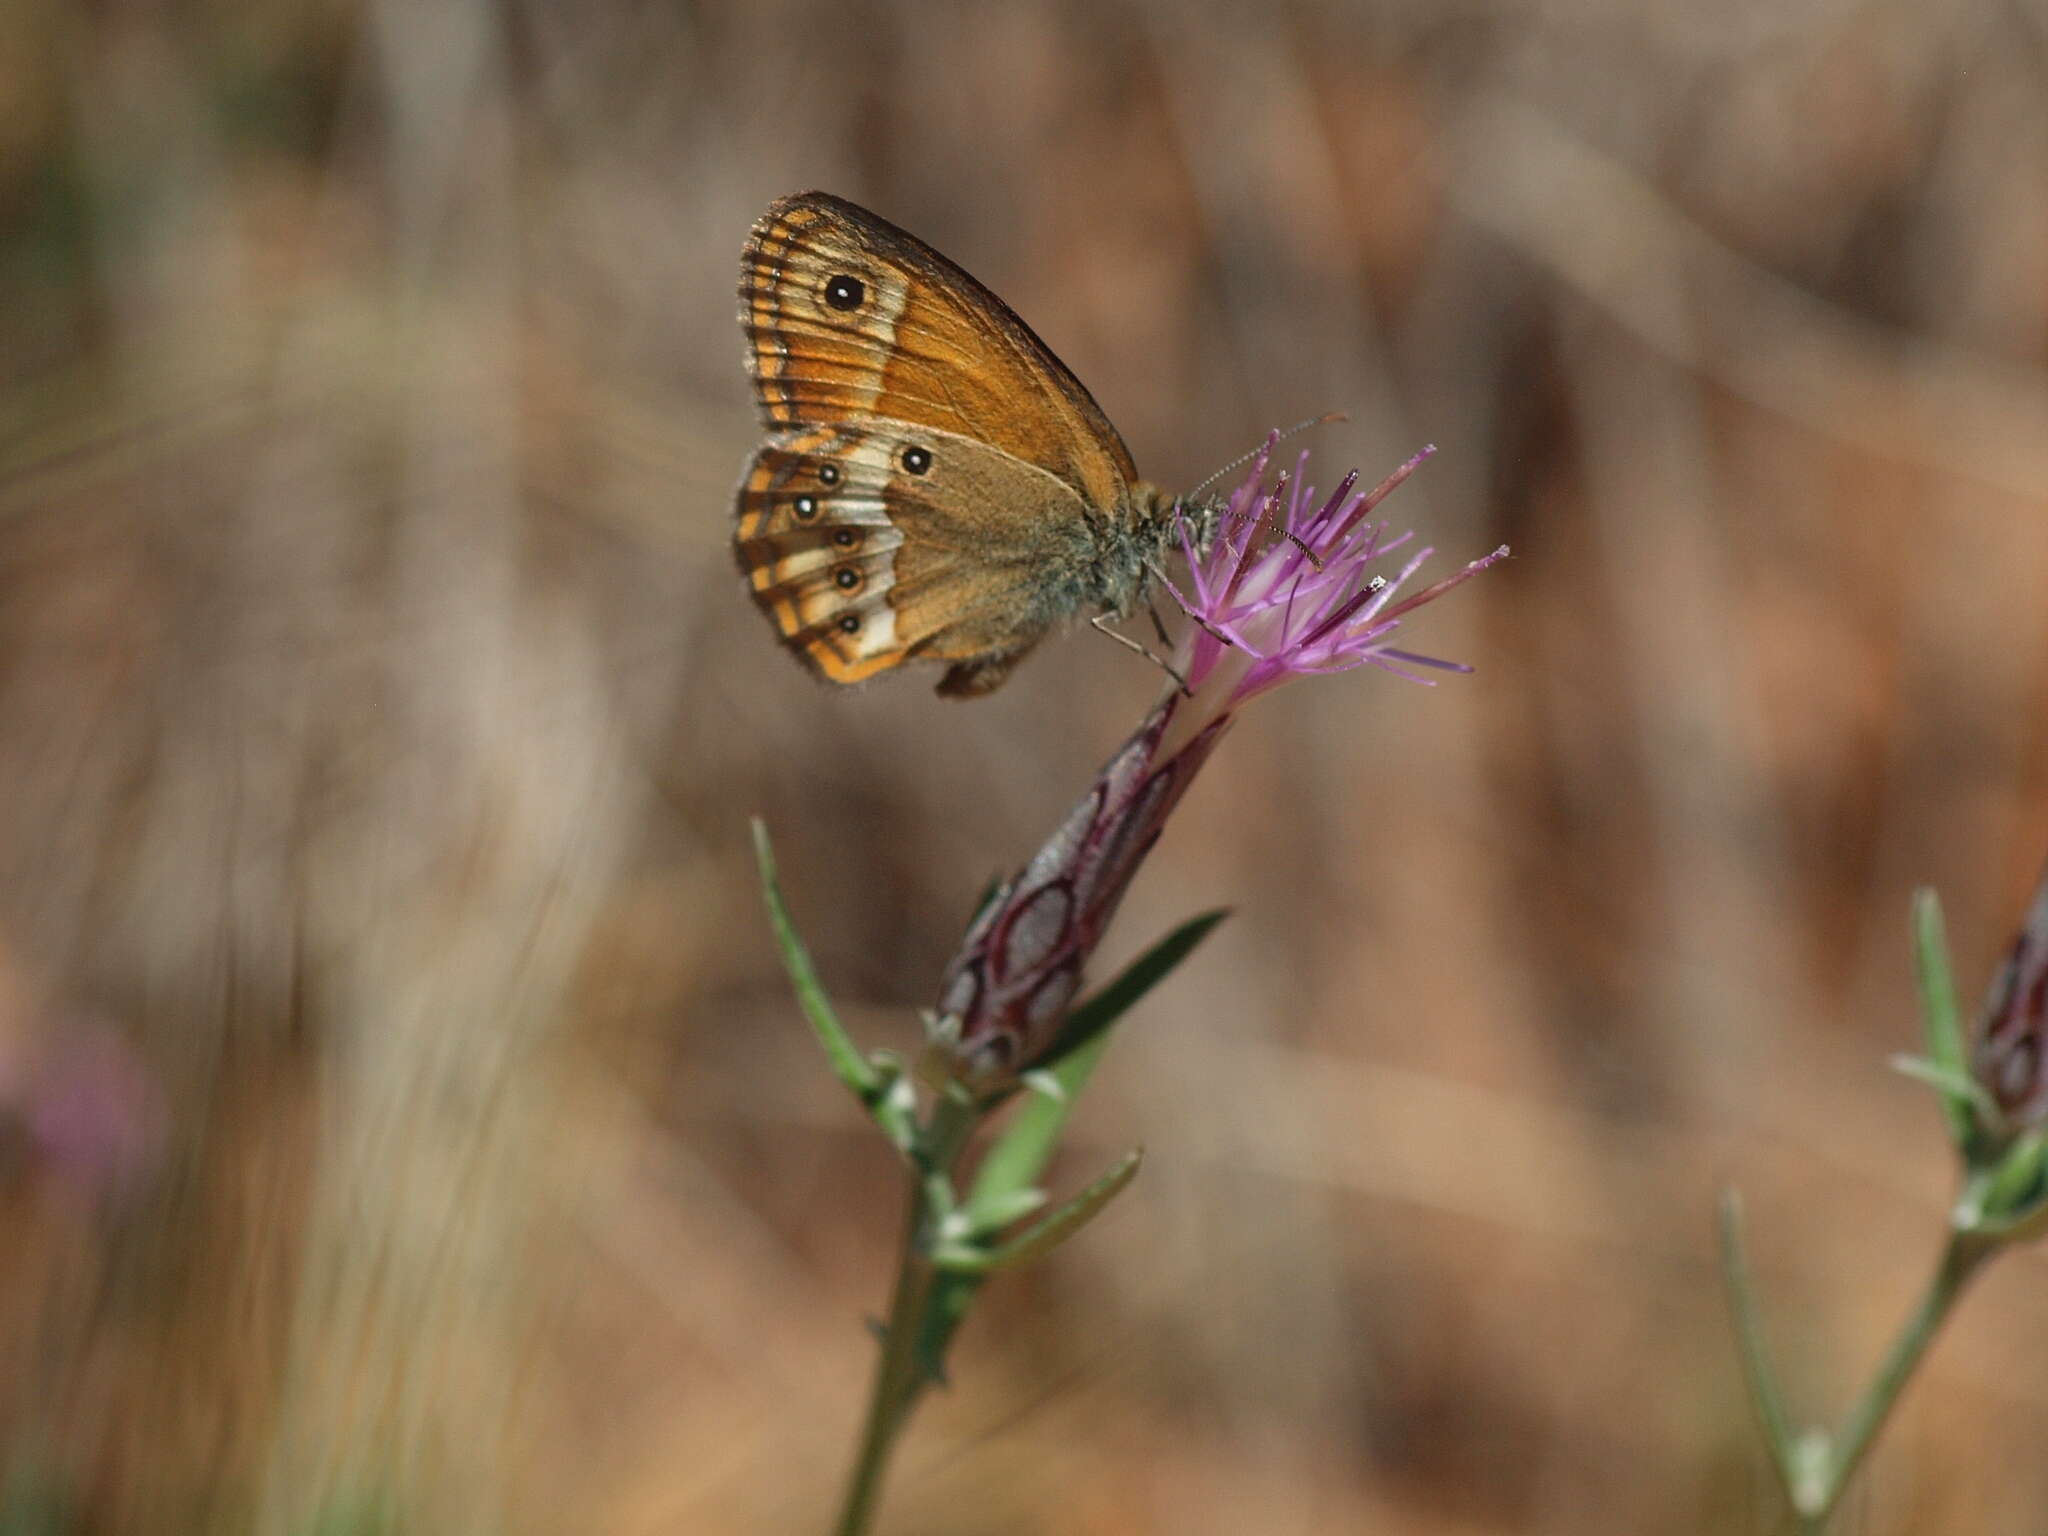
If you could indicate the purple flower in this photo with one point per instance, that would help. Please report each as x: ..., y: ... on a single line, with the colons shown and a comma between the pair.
x: 1283, y: 589
x: 1287, y: 589
x: 2012, y: 1054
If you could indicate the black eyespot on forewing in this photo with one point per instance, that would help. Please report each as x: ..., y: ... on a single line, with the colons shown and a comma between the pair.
x: 828, y: 474
x: 845, y: 292
x: 917, y: 460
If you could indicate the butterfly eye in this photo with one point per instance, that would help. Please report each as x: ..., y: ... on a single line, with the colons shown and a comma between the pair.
x: 828, y: 474
x: 843, y: 292
x: 917, y: 460
x: 806, y: 508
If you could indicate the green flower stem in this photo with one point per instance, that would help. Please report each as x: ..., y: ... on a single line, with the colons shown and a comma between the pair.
x: 949, y: 1247
x: 1964, y: 1255
x: 1815, y: 1467
x: 901, y: 1374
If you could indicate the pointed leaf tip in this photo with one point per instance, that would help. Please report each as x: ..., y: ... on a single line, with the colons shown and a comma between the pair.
x: 1021, y: 1153
x: 1961, y: 1094
x: 1113, y: 1001
x: 1941, y: 1020
x: 1756, y: 1364
x: 853, y: 1069
x: 1045, y: 1235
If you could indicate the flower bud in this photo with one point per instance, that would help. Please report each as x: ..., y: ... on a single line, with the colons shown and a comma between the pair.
x: 2012, y: 1045
x: 1019, y: 967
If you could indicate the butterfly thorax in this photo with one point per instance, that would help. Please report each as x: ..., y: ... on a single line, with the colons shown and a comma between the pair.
x: 1161, y: 526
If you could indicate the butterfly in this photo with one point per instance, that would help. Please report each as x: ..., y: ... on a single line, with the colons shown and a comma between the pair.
x: 934, y: 484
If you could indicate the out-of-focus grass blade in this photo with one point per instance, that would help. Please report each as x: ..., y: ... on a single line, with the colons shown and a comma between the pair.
x: 1756, y: 1362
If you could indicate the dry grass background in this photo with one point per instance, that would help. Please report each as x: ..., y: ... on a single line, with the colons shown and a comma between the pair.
x: 380, y: 715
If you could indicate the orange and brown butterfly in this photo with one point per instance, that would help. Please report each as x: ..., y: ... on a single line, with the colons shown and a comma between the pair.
x: 934, y: 483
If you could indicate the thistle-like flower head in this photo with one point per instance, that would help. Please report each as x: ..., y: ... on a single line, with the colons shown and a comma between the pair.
x: 1284, y: 588
x: 1288, y: 587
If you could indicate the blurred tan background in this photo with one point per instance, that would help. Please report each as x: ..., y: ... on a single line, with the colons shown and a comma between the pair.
x: 404, y: 1126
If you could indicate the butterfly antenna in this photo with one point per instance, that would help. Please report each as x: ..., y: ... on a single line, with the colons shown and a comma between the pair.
x: 1245, y: 458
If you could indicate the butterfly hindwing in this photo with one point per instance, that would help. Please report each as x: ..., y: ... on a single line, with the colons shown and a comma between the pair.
x: 810, y: 507
x: 862, y: 564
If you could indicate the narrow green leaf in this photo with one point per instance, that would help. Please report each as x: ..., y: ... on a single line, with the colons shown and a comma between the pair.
x: 2020, y: 1226
x: 987, y: 1216
x: 854, y: 1069
x: 1018, y: 1158
x: 1044, y: 1236
x: 1111, y: 1003
x: 1947, y: 1082
x: 1020, y: 1154
x: 1786, y: 1449
x: 1938, y: 1013
x: 2013, y: 1190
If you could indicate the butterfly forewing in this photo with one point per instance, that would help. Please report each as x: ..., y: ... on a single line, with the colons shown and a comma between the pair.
x: 918, y: 339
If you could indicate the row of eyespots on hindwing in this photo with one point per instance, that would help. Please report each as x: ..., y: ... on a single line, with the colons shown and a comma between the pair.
x: 824, y: 476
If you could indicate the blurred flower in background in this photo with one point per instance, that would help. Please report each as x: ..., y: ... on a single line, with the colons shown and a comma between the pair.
x: 76, y: 1097
x: 89, y: 1108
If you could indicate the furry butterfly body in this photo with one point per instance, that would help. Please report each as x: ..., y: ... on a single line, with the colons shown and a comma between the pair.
x: 934, y: 483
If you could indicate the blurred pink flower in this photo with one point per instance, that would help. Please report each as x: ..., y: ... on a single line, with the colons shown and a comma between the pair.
x: 87, y: 1107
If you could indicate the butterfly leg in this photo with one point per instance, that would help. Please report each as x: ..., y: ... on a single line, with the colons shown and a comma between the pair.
x: 1101, y: 622
x: 1158, y: 624
x: 1214, y: 633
